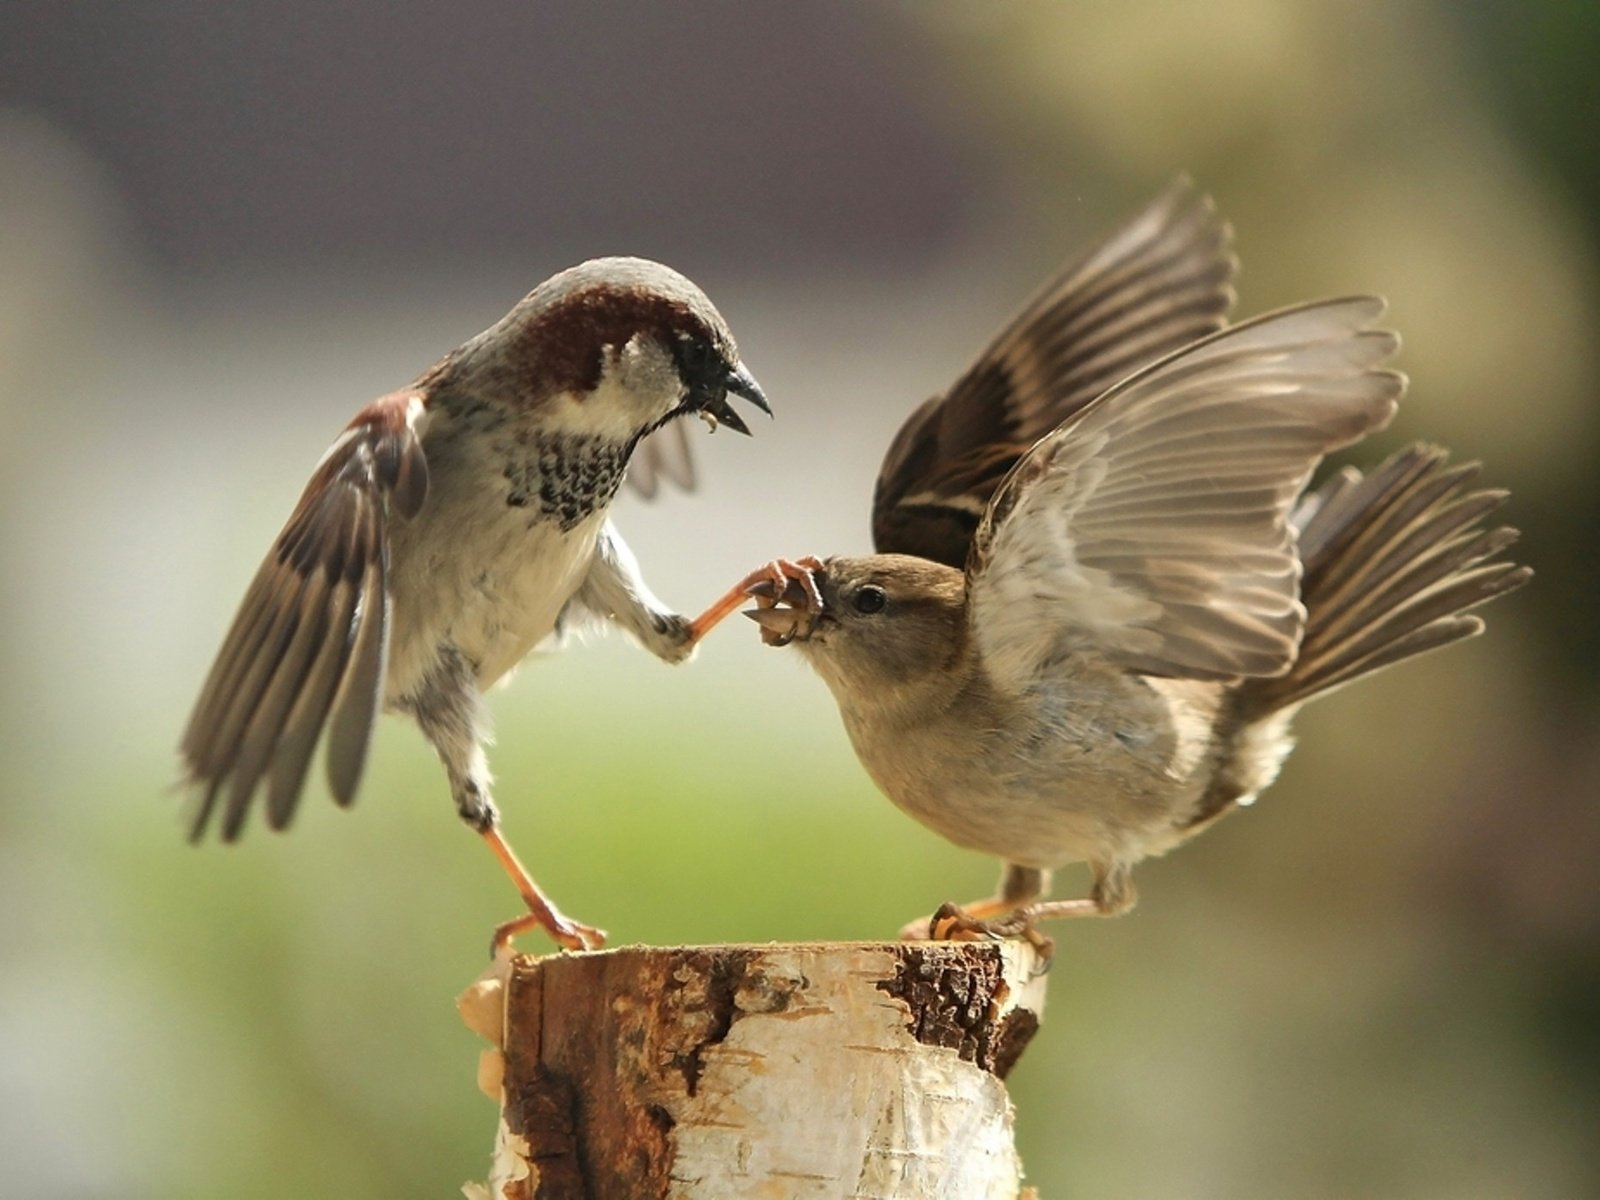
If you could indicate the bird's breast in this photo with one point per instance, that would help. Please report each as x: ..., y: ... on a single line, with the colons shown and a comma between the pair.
x: 1093, y: 771
x: 505, y: 539
x: 563, y: 478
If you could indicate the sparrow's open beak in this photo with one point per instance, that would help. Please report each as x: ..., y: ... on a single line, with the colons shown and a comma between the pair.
x: 739, y: 382
x: 785, y: 617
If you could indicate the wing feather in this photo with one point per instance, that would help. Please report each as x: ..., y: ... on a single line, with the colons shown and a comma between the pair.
x: 1154, y: 526
x: 291, y: 760
x: 1159, y: 282
x: 664, y: 454
x: 306, y: 652
x: 361, y: 692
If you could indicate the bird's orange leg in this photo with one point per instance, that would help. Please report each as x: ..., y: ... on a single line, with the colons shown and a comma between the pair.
x: 542, y: 912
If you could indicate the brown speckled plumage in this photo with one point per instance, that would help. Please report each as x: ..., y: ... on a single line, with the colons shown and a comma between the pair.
x: 451, y: 528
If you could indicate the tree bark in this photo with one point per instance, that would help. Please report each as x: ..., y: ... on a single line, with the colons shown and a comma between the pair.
x: 785, y: 1071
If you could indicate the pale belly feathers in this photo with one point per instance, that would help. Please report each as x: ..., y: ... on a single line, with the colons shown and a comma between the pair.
x: 487, y: 580
x: 1089, y: 774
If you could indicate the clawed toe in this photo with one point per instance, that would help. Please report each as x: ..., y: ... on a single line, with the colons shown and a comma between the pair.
x: 1020, y: 924
x: 952, y: 923
x: 565, y: 932
x: 792, y: 581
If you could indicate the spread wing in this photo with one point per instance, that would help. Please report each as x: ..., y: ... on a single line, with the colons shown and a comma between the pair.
x: 663, y: 454
x: 1160, y: 282
x: 1153, y: 529
x: 308, y: 648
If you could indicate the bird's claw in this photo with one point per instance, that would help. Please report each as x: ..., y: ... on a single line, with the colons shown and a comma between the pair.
x: 773, y: 585
x: 952, y: 923
x: 563, y: 930
x: 792, y: 584
x: 781, y: 580
x: 575, y: 935
x: 1019, y: 923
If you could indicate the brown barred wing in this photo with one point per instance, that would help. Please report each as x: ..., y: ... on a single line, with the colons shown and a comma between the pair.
x: 1160, y: 282
x: 306, y: 652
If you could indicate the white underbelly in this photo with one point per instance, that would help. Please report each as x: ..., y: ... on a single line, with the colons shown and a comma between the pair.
x: 493, y: 594
x: 508, y: 615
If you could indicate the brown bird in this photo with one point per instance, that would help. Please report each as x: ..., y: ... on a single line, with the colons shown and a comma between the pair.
x: 1097, y: 603
x: 455, y: 525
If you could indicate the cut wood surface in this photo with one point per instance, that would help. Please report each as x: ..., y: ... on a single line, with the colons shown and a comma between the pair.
x: 710, y: 1072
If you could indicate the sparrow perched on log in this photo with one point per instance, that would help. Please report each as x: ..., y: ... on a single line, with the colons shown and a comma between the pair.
x: 1101, y: 588
x: 453, y: 526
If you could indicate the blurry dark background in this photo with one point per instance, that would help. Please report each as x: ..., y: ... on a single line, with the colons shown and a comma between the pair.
x: 224, y: 227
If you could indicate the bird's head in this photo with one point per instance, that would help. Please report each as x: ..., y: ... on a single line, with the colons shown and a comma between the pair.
x: 615, y: 347
x: 868, y: 625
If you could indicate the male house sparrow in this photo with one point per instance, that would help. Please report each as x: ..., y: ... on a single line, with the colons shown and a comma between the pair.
x: 454, y: 525
x: 1095, y: 608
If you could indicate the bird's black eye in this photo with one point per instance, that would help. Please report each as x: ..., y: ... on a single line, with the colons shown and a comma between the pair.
x: 871, y: 599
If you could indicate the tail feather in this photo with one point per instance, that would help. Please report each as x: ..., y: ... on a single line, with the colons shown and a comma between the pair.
x: 1393, y: 561
x: 1440, y: 580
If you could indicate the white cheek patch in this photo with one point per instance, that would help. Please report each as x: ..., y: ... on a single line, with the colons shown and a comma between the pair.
x: 645, y: 367
x: 639, y: 385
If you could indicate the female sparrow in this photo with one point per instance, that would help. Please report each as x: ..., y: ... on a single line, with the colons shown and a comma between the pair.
x: 1096, y: 605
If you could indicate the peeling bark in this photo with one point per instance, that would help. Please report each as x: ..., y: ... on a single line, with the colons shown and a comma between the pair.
x: 815, y: 1070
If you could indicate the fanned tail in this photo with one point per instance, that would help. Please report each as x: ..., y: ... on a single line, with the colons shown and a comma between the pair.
x: 1394, y: 561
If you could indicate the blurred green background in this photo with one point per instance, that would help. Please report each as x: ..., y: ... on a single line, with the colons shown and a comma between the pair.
x: 223, y: 228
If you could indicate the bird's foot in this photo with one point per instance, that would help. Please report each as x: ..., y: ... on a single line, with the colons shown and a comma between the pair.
x: 1020, y: 924
x: 563, y: 930
x: 542, y: 912
x: 788, y: 600
x: 766, y: 584
x: 672, y: 638
x: 952, y: 923
x: 770, y: 584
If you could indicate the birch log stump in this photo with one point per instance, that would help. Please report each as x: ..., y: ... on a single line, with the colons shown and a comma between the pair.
x: 782, y: 1071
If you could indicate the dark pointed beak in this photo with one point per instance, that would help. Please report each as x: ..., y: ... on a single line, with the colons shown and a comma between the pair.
x: 739, y: 382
